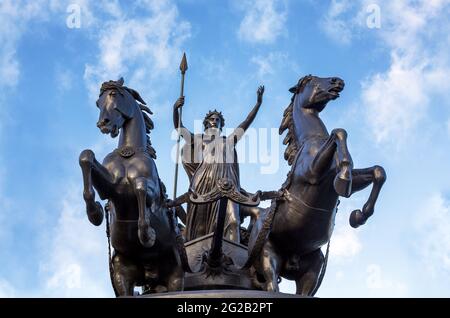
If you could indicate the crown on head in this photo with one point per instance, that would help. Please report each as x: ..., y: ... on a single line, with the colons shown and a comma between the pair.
x: 214, y: 112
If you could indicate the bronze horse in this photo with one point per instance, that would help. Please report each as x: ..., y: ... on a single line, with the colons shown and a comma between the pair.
x: 143, y: 229
x: 302, y: 220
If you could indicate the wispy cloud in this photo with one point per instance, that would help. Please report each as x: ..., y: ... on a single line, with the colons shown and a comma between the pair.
x: 382, y: 286
x: 6, y: 289
x: 64, y: 79
x: 264, y: 21
x: 76, y: 262
x: 268, y: 63
x: 142, y: 47
x: 336, y: 24
x: 14, y: 16
x: 397, y: 99
x: 432, y: 224
x: 345, y: 243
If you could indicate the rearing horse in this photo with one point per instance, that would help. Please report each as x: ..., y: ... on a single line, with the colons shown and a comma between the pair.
x: 143, y: 229
x: 302, y: 220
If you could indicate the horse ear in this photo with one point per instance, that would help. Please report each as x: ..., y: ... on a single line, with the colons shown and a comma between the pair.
x: 301, y: 82
x: 120, y: 81
x: 293, y: 89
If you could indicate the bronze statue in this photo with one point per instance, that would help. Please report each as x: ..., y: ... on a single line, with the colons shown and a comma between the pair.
x: 301, y: 220
x: 212, y: 157
x: 143, y: 229
x: 283, y: 240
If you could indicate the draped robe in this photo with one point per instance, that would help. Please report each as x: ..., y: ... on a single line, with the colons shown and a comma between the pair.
x: 207, y: 160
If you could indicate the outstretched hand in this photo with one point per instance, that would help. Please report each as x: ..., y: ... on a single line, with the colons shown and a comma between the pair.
x: 260, y: 94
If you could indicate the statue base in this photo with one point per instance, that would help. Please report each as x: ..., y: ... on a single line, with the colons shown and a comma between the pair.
x: 225, y: 293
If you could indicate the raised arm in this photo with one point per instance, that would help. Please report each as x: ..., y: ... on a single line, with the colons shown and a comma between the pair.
x: 240, y: 130
x: 177, y: 122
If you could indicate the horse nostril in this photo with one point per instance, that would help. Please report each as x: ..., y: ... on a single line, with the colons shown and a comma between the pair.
x: 334, y: 80
x: 102, y: 122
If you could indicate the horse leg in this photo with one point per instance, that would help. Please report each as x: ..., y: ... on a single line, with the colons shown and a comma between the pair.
x: 343, y: 180
x: 146, y: 233
x: 93, y: 171
x: 253, y: 212
x: 270, y: 267
x: 335, y: 145
x: 311, y: 265
x: 363, y: 178
x: 126, y: 275
x: 175, y: 276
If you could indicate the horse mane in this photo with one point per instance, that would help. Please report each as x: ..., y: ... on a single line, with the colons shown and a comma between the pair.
x: 290, y: 139
x: 146, y: 112
x: 149, y: 125
x: 287, y: 123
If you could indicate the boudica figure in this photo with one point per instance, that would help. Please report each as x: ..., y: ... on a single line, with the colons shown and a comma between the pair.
x: 212, y: 158
x: 285, y: 239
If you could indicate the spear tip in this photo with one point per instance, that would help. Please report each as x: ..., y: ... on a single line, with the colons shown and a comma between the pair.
x: 183, y: 65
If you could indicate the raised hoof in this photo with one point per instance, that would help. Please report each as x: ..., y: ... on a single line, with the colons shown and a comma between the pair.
x: 343, y: 185
x: 95, y: 213
x: 147, y: 235
x: 357, y: 219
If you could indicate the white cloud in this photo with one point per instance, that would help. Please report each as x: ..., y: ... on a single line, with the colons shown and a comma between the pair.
x: 6, y: 289
x: 76, y: 262
x: 64, y: 79
x: 345, y: 243
x: 267, y: 64
x: 143, y: 48
x: 339, y: 29
x: 264, y: 21
x: 396, y: 100
x: 381, y: 286
x: 432, y: 224
x: 14, y: 16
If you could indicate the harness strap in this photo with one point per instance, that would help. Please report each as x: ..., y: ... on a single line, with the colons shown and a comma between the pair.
x: 108, y: 235
x: 291, y: 197
x: 322, y: 270
x: 325, y: 262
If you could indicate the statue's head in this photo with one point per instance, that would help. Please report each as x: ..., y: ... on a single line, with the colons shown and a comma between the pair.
x: 117, y: 104
x: 213, y: 120
x: 315, y: 92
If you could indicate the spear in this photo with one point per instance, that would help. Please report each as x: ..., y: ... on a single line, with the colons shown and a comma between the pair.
x: 183, y: 69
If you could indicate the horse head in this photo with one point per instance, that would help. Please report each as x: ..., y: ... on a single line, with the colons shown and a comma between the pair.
x: 315, y: 92
x: 117, y: 104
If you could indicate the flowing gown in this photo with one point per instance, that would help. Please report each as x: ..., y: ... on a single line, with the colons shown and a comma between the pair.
x: 211, y: 159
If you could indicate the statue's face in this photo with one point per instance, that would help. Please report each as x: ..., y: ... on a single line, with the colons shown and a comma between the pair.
x: 110, y: 119
x: 213, y: 122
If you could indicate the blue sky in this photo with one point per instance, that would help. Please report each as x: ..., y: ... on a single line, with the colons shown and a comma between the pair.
x: 395, y: 108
